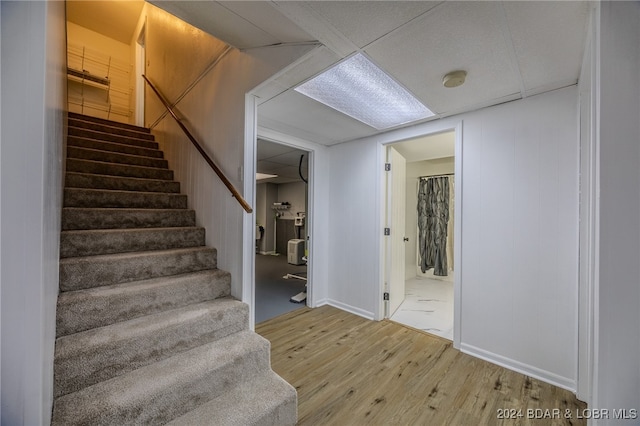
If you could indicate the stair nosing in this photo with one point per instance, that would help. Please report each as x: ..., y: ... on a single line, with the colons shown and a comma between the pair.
x: 115, y: 153
x: 120, y: 177
x: 126, y: 192
x: 116, y: 256
x: 91, y: 119
x: 119, y: 164
x: 153, y: 321
x: 235, y: 347
x: 123, y: 145
x: 84, y: 129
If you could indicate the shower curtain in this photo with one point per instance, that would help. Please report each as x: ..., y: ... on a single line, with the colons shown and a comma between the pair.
x: 433, y: 219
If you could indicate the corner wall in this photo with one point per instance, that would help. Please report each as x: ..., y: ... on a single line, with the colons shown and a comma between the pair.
x: 519, y: 186
x: 33, y: 81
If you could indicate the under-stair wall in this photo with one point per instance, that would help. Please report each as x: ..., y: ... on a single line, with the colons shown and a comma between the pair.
x: 215, y: 111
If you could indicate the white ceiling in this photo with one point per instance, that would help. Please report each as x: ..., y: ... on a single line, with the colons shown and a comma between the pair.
x: 115, y: 19
x: 431, y: 147
x: 281, y: 160
x: 510, y: 50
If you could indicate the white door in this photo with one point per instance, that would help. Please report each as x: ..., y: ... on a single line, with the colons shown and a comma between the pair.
x: 396, y: 199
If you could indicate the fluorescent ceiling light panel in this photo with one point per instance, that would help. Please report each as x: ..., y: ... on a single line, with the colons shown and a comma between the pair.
x: 261, y: 176
x: 358, y: 88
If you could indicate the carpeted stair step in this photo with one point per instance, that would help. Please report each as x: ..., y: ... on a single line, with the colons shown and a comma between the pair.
x: 112, y: 169
x: 107, y: 128
x: 115, y: 157
x: 77, y: 116
x: 167, y: 389
x: 114, y: 147
x: 77, y: 273
x: 88, y: 180
x: 110, y: 137
x: 101, y: 198
x: 266, y: 400
x: 105, y: 218
x: 97, y: 307
x: 92, y: 356
x: 93, y: 242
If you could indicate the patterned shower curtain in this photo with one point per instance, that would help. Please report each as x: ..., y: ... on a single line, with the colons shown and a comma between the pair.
x: 433, y: 217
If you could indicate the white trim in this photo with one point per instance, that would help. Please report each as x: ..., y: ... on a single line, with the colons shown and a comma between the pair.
x: 351, y: 309
x: 528, y: 370
x: 317, y: 246
x: 594, y: 400
x: 248, y: 220
x: 398, y: 136
x: 140, y: 69
x: 457, y: 235
x: 586, y: 282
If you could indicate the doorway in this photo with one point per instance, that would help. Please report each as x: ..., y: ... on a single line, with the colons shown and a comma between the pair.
x: 140, y: 67
x: 427, y: 299
x: 281, y: 246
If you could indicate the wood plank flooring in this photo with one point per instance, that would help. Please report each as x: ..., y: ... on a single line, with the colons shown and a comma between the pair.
x: 352, y: 371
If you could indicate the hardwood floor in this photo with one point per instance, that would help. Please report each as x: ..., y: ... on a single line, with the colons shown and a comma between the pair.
x: 352, y: 371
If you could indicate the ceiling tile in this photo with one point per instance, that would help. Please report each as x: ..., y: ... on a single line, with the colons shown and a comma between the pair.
x: 310, y: 120
x: 548, y: 40
x: 454, y: 35
x: 219, y: 21
x: 268, y: 150
x: 363, y: 22
x: 262, y: 14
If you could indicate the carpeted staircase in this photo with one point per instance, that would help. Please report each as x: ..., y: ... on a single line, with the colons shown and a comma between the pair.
x: 146, y: 330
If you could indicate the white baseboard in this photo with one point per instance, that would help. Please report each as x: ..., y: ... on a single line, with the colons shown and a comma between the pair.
x: 350, y: 309
x: 528, y: 370
x: 321, y: 302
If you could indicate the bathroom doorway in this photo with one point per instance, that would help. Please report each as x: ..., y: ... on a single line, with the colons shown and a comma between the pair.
x: 428, y: 303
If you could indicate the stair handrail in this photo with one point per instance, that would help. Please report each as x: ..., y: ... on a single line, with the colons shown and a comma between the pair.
x: 202, y: 152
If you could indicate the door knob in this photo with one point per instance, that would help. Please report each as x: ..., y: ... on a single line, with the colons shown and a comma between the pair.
x: 406, y: 239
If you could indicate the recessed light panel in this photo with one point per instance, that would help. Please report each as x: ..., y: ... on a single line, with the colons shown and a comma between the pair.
x: 358, y: 88
x: 262, y: 176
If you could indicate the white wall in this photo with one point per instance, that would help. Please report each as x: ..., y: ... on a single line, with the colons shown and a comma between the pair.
x: 33, y: 81
x: 215, y: 112
x: 81, y: 36
x: 101, y: 56
x: 266, y: 195
x: 519, y: 231
x: 354, y: 226
x: 617, y: 317
x: 294, y: 194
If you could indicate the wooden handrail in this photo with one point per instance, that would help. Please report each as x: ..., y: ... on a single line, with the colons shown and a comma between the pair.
x: 202, y: 152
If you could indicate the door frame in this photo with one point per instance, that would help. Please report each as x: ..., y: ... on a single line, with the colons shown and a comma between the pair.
x: 313, y: 223
x: 395, y: 233
x: 140, y: 69
x: 430, y: 129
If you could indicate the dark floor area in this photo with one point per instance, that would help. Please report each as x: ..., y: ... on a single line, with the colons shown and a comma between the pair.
x: 272, y: 290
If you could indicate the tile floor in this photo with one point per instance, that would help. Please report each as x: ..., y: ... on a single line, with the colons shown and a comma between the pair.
x: 428, y: 305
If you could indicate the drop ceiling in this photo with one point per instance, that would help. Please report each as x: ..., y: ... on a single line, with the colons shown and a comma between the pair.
x: 510, y: 50
x: 281, y: 160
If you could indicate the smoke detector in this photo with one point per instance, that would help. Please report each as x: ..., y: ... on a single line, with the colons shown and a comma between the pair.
x: 454, y: 79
